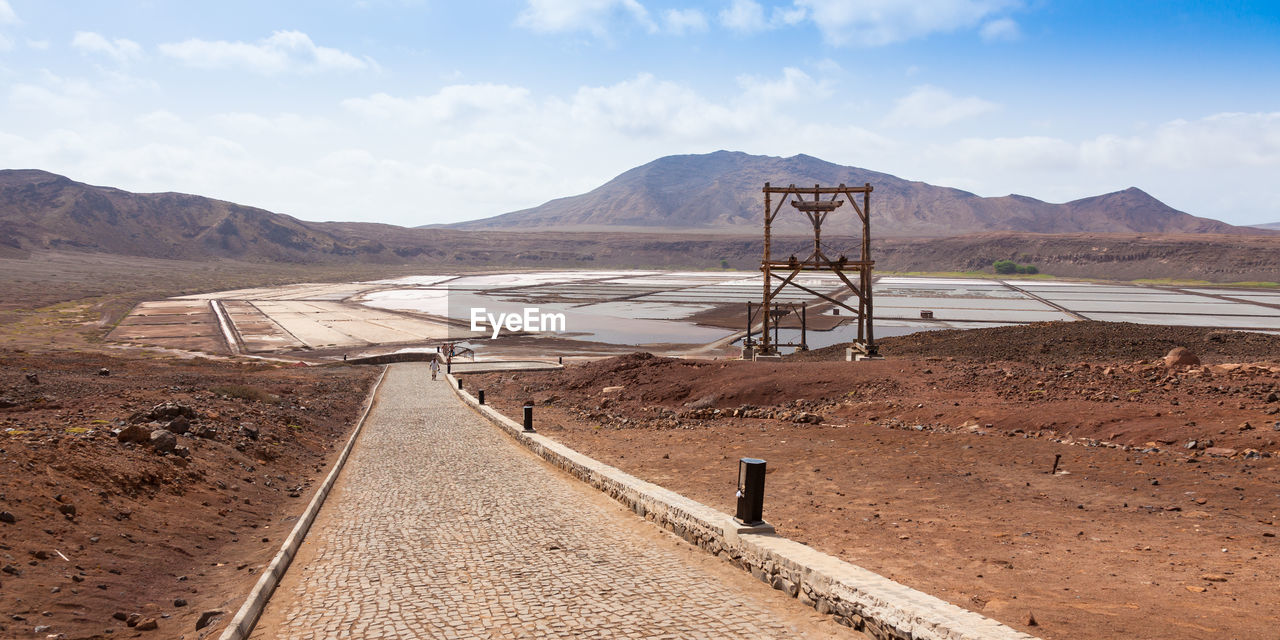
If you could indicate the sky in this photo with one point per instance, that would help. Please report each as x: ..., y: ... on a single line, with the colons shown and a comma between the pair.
x: 417, y: 112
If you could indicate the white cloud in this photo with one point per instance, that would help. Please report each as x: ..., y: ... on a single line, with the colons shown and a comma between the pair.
x: 38, y: 45
x: 646, y: 106
x: 55, y: 96
x: 1001, y: 29
x: 744, y: 16
x: 882, y: 22
x: 681, y: 21
x: 794, y: 85
x: 284, y: 51
x: 241, y: 123
x: 5, y: 43
x: 1037, y: 153
x: 928, y: 106
x: 452, y: 102
x: 1222, y: 141
x: 120, y: 50
x: 581, y: 15
x: 789, y: 15
x: 7, y: 16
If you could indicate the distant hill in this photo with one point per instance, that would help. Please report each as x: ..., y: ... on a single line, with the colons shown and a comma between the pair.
x: 720, y: 192
x: 44, y: 211
x: 1275, y: 226
x: 44, y: 215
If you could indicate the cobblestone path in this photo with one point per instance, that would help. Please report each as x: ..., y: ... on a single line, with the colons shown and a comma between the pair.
x: 442, y: 527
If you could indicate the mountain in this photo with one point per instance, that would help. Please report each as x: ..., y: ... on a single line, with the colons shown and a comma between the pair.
x: 1275, y: 226
x: 41, y: 210
x: 720, y: 192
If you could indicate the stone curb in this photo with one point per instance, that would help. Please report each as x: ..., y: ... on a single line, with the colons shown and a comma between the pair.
x: 242, y: 624
x: 853, y: 596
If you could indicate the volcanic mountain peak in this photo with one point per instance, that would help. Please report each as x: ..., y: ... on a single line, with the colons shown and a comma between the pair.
x: 720, y: 192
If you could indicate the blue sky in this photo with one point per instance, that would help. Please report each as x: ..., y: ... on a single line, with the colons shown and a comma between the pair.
x: 424, y: 111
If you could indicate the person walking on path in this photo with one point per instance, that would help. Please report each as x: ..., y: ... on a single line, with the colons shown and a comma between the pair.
x: 435, y: 368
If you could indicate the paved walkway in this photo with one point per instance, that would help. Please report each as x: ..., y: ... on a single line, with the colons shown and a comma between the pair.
x: 442, y: 527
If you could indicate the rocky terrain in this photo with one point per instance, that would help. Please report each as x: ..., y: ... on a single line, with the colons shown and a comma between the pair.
x: 141, y: 497
x: 1088, y: 490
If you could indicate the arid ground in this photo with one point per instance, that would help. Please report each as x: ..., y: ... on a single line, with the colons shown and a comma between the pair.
x: 932, y: 467
x: 96, y: 526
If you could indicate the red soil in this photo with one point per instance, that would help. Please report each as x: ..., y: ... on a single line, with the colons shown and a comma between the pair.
x: 934, y: 470
x: 101, y: 527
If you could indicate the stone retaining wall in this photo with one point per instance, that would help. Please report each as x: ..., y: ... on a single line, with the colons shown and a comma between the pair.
x: 853, y: 596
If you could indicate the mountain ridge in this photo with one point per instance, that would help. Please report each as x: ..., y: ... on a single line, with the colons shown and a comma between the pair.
x: 673, y: 193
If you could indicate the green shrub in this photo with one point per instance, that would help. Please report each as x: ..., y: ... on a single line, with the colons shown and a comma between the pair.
x: 1007, y: 267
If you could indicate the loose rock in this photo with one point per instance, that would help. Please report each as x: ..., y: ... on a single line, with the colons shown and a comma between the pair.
x: 1181, y: 357
x: 178, y: 425
x: 207, y: 618
x: 163, y: 441
x: 134, y: 433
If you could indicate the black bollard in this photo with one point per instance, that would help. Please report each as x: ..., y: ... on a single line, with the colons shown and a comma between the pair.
x: 448, y: 368
x: 560, y: 360
x: 750, y: 491
x: 481, y: 396
x: 459, y: 383
x: 528, y: 417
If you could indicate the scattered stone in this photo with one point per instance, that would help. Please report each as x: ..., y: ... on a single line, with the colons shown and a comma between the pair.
x: 206, y: 432
x: 1195, y: 589
x: 33, y: 378
x: 1222, y: 452
x: 133, y: 619
x: 6, y: 403
x: 1213, y: 577
x: 179, y: 602
x: 12, y: 570
x: 68, y: 510
x: 164, y: 411
x: 178, y: 425
x: 7, y: 518
x: 134, y: 433
x: 182, y: 451
x: 1029, y: 619
x: 104, y: 372
x: 1272, y: 397
x: 249, y: 431
x: 147, y: 624
x: 1181, y: 357
x: 207, y: 618
x: 163, y: 441
x: 120, y: 615
x: 42, y: 628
